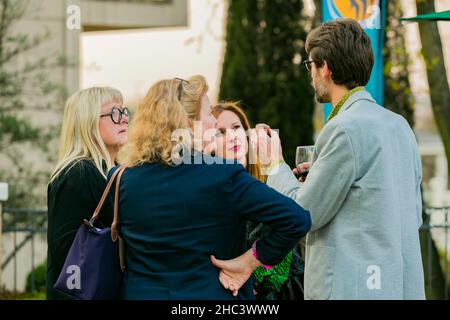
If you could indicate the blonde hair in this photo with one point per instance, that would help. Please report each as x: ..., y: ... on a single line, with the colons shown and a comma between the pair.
x: 193, y: 91
x: 253, y: 168
x: 80, y: 133
x: 156, y: 118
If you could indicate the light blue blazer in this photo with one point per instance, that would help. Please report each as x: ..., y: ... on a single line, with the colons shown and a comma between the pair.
x: 363, y: 193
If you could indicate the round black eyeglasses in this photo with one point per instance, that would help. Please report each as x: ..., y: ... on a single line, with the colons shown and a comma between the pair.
x: 117, y: 113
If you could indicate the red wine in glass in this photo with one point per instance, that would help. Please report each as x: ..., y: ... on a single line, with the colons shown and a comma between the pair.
x: 304, y: 154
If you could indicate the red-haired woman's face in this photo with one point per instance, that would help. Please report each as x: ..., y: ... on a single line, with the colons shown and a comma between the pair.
x: 231, y: 138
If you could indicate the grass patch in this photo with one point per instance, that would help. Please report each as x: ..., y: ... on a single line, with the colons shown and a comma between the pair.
x: 13, y: 295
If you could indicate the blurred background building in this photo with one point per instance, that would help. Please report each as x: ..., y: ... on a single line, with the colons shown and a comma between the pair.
x: 99, y: 15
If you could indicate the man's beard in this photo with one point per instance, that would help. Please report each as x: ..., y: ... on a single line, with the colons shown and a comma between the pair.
x: 321, y: 93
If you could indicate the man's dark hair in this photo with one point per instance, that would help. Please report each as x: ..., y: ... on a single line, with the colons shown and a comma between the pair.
x: 346, y: 48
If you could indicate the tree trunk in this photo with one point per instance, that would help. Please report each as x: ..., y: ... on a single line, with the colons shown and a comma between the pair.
x: 440, y: 96
x: 317, y: 19
x: 437, y: 76
x: 434, y: 277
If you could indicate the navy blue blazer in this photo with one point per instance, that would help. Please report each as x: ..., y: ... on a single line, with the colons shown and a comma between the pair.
x: 173, y: 219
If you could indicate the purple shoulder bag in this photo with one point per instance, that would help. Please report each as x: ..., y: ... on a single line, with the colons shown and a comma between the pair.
x: 94, y: 266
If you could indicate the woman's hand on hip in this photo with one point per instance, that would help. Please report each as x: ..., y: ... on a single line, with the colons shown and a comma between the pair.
x: 234, y: 273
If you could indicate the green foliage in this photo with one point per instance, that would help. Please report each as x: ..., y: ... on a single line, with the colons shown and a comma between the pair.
x: 26, y: 90
x: 17, y: 130
x: 40, y: 276
x: 7, y: 295
x: 262, y: 69
x: 11, y: 295
x: 40, y: 295
x: 397, y: 89
x: 445, y: 263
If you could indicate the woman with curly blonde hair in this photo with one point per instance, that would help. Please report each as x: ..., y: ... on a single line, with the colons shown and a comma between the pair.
x: 152, y: 136
x: 176, y: 218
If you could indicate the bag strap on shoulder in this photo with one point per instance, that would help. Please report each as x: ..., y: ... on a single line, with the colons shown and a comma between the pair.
x: 114, y: 233
x: 104, y: 195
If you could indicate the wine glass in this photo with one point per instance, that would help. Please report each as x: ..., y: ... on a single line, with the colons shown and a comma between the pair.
x: 304, y: 154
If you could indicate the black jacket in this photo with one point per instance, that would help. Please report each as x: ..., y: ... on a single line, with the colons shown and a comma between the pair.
x: 72, y: 197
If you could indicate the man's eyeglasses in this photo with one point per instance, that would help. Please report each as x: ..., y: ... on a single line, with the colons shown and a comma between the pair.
x: 180, y: 87
x: 116, y: 114
x: 307, y: 64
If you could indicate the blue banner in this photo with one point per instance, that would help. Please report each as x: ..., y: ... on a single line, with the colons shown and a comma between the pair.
x: 371, y: 14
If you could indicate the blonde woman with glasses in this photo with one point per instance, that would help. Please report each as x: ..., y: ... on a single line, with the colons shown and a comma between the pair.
x: 94, y: 127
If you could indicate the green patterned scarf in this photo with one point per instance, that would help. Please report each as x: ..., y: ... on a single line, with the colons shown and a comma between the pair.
x: 338, y: 107
x: 274, y: 278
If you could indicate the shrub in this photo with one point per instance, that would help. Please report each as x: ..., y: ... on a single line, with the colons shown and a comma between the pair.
x: 40, y: 276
